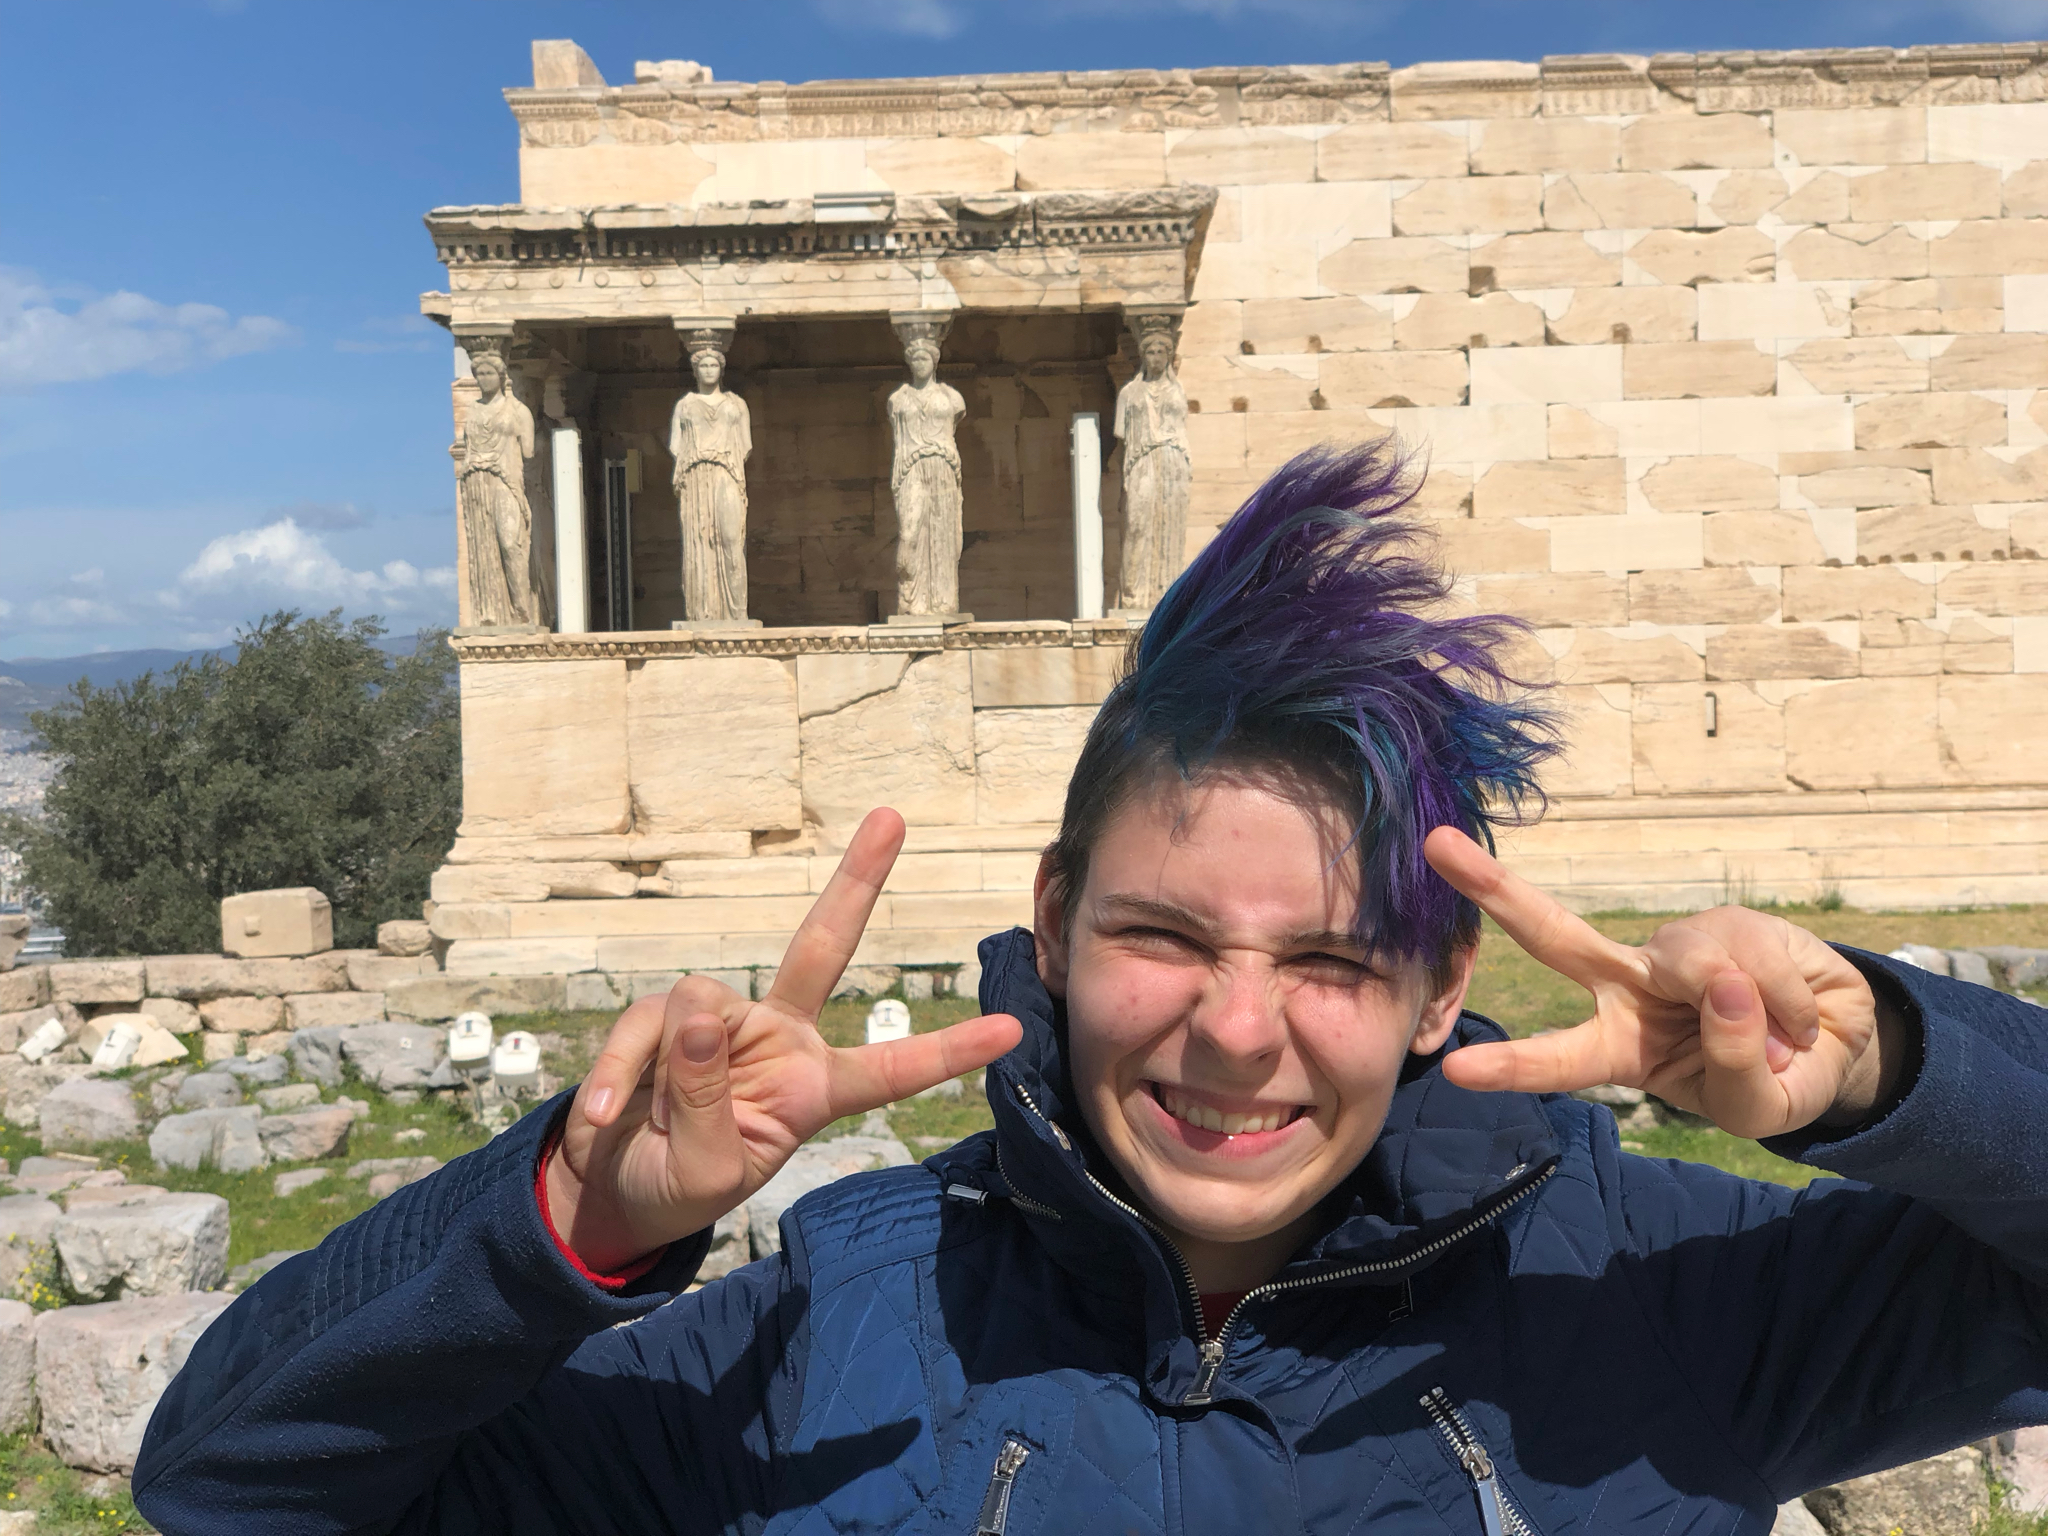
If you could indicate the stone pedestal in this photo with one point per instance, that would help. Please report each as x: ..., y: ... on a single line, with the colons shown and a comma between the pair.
x: 927, y: 620
x: 689, y: 624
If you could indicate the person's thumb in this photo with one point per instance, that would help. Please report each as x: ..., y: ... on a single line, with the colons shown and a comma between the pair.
x: 693, y: 1104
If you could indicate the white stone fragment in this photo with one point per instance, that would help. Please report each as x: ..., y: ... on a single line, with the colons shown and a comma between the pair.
x: 159, y: 1246
x: 888, y: 1020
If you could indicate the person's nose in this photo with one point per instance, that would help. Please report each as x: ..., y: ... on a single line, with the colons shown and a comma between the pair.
x: 1241, y: 1016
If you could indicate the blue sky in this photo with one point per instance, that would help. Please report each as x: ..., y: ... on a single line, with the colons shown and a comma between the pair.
x: 216, y: 395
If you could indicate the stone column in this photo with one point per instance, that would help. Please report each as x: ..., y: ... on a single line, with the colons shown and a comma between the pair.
x: 924, y: 477
x: 503, y: 587
x: 1086, y: 455
x: 1158, y: 472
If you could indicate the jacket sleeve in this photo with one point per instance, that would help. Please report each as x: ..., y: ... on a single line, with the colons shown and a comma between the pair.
x: 437, y: 1365
x: 1864, y: 1322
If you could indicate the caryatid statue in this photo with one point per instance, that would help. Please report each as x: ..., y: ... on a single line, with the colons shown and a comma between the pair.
x: 497, y: 521
x: 1152, y: 425
x: 925, y: 473
x: 710, y: 436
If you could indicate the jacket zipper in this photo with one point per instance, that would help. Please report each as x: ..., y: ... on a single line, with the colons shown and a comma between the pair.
x: 1496, y: 1511
x: 1212, y: 1350
x: 995, y: 1504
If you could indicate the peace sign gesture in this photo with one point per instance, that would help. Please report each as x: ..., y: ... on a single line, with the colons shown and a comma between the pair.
x: 1736, y: 1015
x: 700, y: 1097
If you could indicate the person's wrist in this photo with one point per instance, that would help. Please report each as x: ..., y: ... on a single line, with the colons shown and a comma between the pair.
x: 599, y: 1238
x: 1873, y: 1078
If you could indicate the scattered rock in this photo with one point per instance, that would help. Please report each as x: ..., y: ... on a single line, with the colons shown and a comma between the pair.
x: 174, y: 1014
x: 1925, y: 956
x: 24, y: 1085
x: 100, y: 1370
x: 1795, y: 1519
x: 360, y: 1108
x: 316, y: 1054
x: 309, y: 1134
x: 730, y: 1247
x: 162, y: 1245
x: 2017, y: 967
x: 242, y: 1015
x: 208, y: 1090
x: 88, y: 1111
x: 392, y: 1056
x: 242, y: 1276
x: 276, y: 1043
x: 15, y: 1028
x: 58, y: 1162
x: 290, y: 1096
x: 28, y: 987
x: 1944, y: 1493
x: 217, y: 1047
x: 815, y: 1165
x: 388, y: 1175
x: 298, y: 1179
x: 163, y: 1093
x: 410, y: 1133
x: 111, y: 1194
x: 257, y: 1069
x: 225, y: 1138
x: 28, y: 1246
x: 17, y: 1368
x: 2022, y: 1461
x: 403, y: 1096
x: 1968, y: 965
x: 317, y: 1010
x: 404, y: 937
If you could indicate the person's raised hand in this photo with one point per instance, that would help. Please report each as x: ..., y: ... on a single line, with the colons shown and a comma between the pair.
x: 1733, y: 1014
x: 700, y: 1097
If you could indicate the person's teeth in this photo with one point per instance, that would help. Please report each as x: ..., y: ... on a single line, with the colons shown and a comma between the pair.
x: 1211, y: 1120
x: 1236, y: 1125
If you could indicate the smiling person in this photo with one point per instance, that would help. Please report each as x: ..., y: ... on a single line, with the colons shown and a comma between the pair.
x: 1270, y: 1235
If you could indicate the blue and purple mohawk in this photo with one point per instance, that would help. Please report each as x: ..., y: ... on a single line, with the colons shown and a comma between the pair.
x: 1302, y: 639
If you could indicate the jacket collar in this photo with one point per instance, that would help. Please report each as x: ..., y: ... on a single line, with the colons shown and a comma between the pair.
x: 1445, y: 1157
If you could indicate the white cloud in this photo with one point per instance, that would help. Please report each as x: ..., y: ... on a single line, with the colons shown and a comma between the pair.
x: 49, y: 336
x: 75, y: 612
x: 284, y: 565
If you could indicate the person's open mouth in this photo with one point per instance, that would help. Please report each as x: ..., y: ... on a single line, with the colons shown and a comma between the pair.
x: 1245, y: 1118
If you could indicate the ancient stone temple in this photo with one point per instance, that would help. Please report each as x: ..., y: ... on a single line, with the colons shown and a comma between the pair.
x: 1726, y: 367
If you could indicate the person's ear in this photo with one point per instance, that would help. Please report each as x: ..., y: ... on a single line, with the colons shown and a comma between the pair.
x: 1048, y: 928
x: 1440, y: 1013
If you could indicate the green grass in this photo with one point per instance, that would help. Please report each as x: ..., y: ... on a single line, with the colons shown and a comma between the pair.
x: 2004, y: 1520
x: 66, y: 1502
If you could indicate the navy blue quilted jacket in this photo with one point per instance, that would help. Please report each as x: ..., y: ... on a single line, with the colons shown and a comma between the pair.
x: 1507, y: 1327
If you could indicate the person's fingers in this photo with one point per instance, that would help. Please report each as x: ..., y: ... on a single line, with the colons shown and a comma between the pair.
x: 1567, y: 944
x: 818, y: 954
x: 1561, y: 1062
x: 865, y: 1077
x: 693, y: 1108
x: 1739, y: 1089
x: 1762, y: 945
x: 691, y: 1001
x: 629, y: 1051
x: 1684, y: 959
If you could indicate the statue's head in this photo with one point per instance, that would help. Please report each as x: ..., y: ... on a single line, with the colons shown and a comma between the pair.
x: 707, y: 366
x: 489, y: 371
x: 923, y: 357
x: 1156, y: 352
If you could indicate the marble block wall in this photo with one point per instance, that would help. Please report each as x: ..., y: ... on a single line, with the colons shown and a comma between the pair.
x: 1730, y: 372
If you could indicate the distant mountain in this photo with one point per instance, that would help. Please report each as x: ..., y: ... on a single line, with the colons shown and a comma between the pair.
x: 18, y: 700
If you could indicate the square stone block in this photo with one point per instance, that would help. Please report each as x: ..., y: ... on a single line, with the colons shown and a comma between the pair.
x: 1463, y: 205
x: 1468, y: 546
x: 1392, y: 152
x: 1996, y: 247
x: 1776, y: 424
x: 1596, y: 656
x: 1927, y: 192
x: 951, y: 164
x: 1990, y: 728
x: 1745, y: 197
x: 910, y: 746
x: 1056, y: 162
x: 1735, y: 255
x: 1966, y: 475
x: 1819, y: 593
x: 1674, y: 755
x: 262, y: 924
x: 544, y: 748
x: 1711, y: 596
x: 1596, y: 315
x: 1762, y: 538
x: 1307, y: 325
x: 1684, y: 141
x: 1990, y: 362
x: 1023, y: 759
x: 1044, y: 676
x: 1855, y: 250
x: 1622, y: 200
x: 1539, y: 375
x: 1234, y: 156
x: 1713, y: 483
x: 1558, y: 599
x: 1742, y: 311
x: 1421, y: 264
x: 1752, y: 651
x: 1363, y: 380
x: 97, y: 981
x: 1935, y: 420
x: 1441, y: 320
x: 1697, y: 369
x: 1922, y: 532
x: 1662, y: 542
x: 1544, y: 259
x: 712, y: 744
x: 1881, y: 136
x: 1866, y: 485
x: 1864, y: 365
x: 1551, y: 488
x: 1596, y: 760
x: 1540, y: 144
x: 2017, y: 587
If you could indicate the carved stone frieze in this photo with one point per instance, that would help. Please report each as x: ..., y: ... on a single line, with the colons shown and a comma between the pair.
x: 810, y: 641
